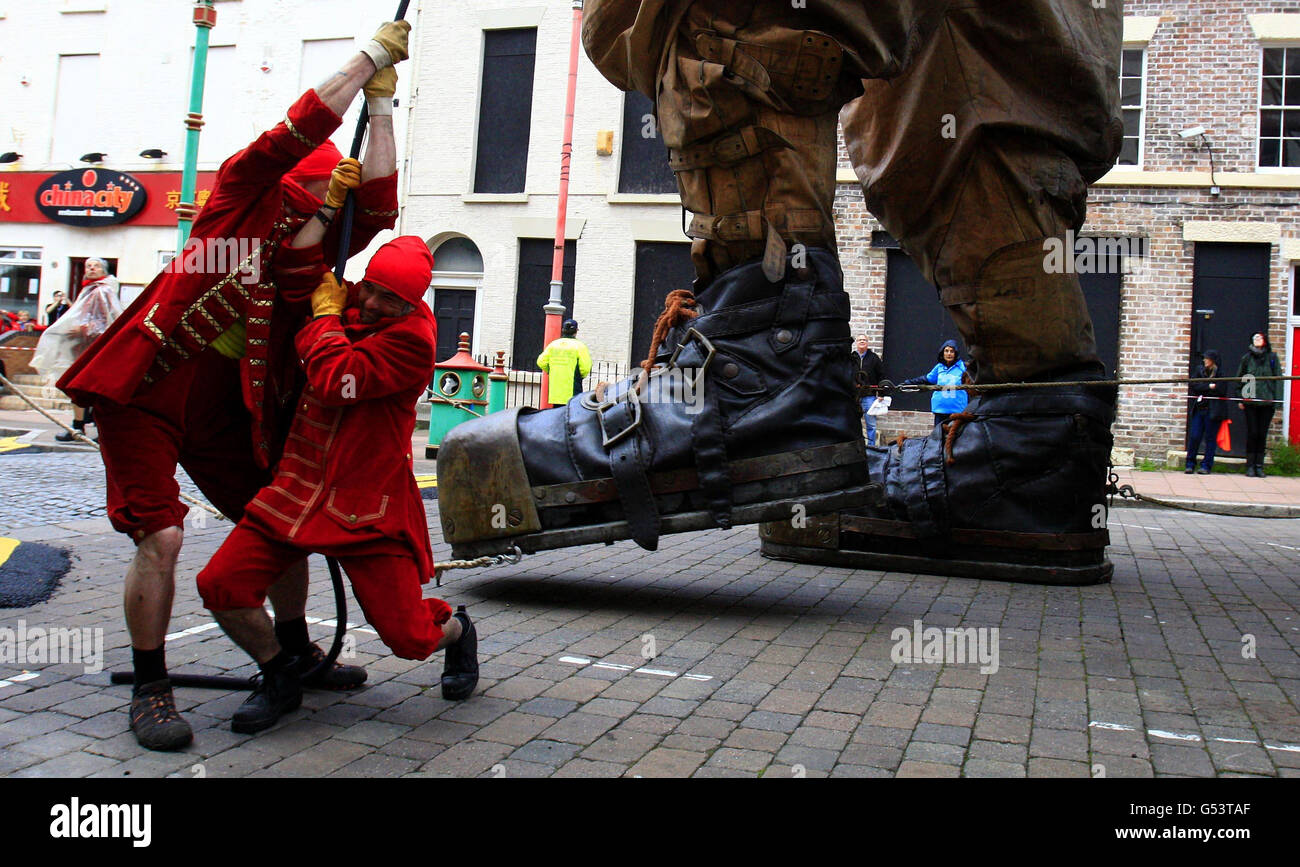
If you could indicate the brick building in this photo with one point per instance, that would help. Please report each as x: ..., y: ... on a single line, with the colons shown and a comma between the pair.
x: 485, y: 166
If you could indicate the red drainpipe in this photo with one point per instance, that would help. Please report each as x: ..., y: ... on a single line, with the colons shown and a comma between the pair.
x: 555, y: 306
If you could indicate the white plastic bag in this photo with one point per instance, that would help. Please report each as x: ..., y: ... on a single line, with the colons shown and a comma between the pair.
x: 880, y: 407
x: 87, y: 318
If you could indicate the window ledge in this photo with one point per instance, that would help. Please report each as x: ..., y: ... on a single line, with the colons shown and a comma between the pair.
x: 487, y: 198
x: 73, y: 7
x: 1139, y: 30
x: 1129, y: 176
x: 643, y: 199
x: 1279, y: 27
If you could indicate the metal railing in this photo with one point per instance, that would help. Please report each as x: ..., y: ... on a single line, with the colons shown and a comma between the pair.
x: 525, y: 384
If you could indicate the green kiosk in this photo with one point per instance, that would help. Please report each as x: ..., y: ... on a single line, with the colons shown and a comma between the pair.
x: 463, y: 389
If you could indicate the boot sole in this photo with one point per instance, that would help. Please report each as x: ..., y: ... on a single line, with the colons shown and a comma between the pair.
x: 682, y: 522
x: 1031, y: 558
x: 250, y: 728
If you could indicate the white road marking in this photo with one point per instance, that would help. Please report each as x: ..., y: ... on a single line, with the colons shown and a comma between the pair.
x: 1119, y: 727
x: 1136, y: 526
x: 1173, y: 736
x: 618, y: 666
x: 1276, y: 545
x: 20, y: 678
x: 193, y: 630
x: 314, y: 621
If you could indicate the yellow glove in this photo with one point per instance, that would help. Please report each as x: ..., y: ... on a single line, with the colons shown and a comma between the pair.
x: 380, y: 90
x: 347, y: 176
x: 390, y: 44
x: 329, y: 297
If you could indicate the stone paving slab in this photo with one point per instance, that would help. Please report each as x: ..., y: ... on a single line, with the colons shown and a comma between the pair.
x: 1185, y: 665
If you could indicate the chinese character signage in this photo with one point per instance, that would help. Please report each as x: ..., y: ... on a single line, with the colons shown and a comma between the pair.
x: 96, y: 197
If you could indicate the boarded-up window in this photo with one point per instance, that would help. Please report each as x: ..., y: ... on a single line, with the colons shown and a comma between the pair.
x: 660, y: 268
x: 534, y: 290
x: 505, y: 110
x: 643, y: 164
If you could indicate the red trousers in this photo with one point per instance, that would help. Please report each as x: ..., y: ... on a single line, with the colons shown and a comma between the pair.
x: 386, y: 586
x: 194, y: 417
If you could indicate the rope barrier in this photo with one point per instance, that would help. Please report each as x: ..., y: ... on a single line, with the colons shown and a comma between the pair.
x: 889, y: 387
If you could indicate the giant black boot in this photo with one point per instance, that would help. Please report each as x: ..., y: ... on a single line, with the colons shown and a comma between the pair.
x: 1014, y: 487
x: 748, y: 415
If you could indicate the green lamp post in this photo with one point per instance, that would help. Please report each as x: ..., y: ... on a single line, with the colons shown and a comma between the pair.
x: 205, y: 18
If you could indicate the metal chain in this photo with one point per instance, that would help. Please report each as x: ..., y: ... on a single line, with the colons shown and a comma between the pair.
x: 1126, y: 492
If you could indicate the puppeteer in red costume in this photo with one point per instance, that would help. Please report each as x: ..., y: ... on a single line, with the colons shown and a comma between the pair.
x: 201, y: 370
x: 164, y: 393
x: 344, y: 485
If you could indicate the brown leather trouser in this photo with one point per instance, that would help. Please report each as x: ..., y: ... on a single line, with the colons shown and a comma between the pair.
x: 979, y: 125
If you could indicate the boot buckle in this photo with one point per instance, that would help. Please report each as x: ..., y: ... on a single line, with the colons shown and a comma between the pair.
x: 632, y: 401
x: 709, y: 351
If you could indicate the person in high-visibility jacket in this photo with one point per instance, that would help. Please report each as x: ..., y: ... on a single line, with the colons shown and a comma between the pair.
x: 567, y: 360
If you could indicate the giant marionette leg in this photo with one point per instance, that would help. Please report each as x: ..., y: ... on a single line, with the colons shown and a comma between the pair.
x: 746, y: 411
x: 977, y: 160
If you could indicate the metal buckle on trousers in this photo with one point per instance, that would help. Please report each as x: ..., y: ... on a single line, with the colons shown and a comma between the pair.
x: 631, y: 396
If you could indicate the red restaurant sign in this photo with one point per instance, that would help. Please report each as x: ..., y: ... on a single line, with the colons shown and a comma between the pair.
x: 144, y: 199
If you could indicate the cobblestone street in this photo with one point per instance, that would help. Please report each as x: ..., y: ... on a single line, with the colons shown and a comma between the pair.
x: 1185, y: 665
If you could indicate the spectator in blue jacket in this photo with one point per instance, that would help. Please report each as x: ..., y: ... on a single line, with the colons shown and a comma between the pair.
x: 950, y: 373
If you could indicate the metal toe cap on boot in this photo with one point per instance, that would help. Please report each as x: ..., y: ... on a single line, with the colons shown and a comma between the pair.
x: 483, y: 489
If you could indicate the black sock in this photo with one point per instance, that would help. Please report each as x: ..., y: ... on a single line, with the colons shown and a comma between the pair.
x: 79, y: 424
x: 149, y: 665
x: 277, y: 662
x: 292, y: 635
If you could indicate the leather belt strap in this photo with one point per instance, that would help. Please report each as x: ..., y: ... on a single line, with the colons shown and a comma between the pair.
x: 628, y: 465
x: 791, y: 317
x: 725, y: 149
x: 745, y: 226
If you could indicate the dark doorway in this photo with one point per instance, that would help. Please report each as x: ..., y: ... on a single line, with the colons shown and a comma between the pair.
x: 1229, y: 304
x: 77, y: 272
x: 534, y: 290
x: 454, y: 310
x: 916, y: 324
x: 661, y: 267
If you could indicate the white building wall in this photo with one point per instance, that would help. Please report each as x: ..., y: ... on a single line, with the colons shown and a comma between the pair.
x: 146, y: 50
x: 438, y: 198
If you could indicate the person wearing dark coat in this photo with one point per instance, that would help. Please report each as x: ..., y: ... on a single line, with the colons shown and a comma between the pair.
x: 1259, y: 399
x: 1205, y: 413
x: 873, y: 370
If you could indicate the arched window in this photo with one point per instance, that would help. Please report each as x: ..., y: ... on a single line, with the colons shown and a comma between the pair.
x: 457, y: 278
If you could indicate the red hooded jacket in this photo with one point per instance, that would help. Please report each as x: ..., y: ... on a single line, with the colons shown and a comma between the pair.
x: 180, y: 313
x: 345, y: 485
